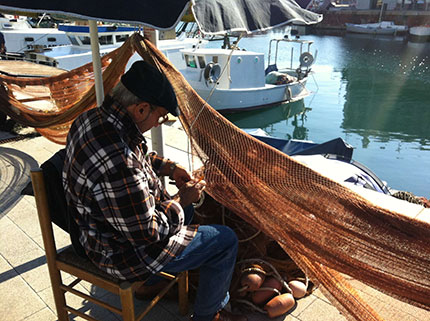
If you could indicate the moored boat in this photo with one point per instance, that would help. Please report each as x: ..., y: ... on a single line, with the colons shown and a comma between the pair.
x: 333, y: 159
x: 419, y: 33
x: 110, y: 37
x: 232, y: 80
x: 379, y: 28
x: 20, y: 36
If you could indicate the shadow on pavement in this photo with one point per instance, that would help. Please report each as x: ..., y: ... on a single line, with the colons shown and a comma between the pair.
x: 15, y: 169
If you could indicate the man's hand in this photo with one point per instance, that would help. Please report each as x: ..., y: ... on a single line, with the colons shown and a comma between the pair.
x: 180, y: 176
x: 190, y: 192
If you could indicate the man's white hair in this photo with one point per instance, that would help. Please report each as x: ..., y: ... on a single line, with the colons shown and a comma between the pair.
x: 124, y: 96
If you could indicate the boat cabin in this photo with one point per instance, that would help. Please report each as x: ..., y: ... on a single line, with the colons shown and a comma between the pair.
x: 20, y: 36
x: 108, y: 35
x: 204, y: 66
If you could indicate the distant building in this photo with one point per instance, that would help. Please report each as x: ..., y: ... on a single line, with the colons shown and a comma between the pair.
x: 393, y: 4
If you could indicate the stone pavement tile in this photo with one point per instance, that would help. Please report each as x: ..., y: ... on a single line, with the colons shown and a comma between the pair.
x: 388, y: 307
x: 173, y: 308
x: 24, y: 214
x: 95, y: 291
x: 165, y: 310
x: 318, y: 293
x: 18, y: 300
x: 320, y: 310
x: 39, y: 148
x: 80, y: 304
x: 62, y: 238
x: 176, y: 137
x: 15, y: 246
x: 43, y: 315
x: 16, y: 159
x: 14, y: 176
x: 170, y: 306
x: 255, y: 316
x: 302, y: 304
x: 35, y: 273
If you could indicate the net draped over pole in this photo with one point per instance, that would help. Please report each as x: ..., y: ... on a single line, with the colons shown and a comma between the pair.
x: 327, y: 229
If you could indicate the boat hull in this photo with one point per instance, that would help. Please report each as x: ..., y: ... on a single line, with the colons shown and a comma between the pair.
x: 419, y: 34
x: 369, y: 30
x: 19, y: 41
x: 233, y: 100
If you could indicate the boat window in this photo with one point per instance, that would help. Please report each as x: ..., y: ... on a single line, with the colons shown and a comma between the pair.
x: 121, y: 38
x: 215, y: 59
x: 73, y: 40
x: 202, y: 63
x: 7, y: 25
x: 29, y: 39
x: 52, y: 39
x: 85, y: 40
x: 106, y: 40
x: 190, y: 61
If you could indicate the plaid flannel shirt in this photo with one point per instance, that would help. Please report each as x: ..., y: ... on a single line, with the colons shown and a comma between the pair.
x: 129, y: 225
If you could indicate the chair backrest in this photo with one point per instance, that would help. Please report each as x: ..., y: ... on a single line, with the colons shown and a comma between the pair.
x: 52, y: 172
x: 56, y: 201
x: 40, y: 194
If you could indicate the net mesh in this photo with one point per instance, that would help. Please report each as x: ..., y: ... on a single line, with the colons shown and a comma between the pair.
x: 336, y: 236
x: 326, y: 228
x: 51, y: 104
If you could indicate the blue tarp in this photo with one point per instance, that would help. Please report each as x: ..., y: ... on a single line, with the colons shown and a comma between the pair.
x: 293, y: 147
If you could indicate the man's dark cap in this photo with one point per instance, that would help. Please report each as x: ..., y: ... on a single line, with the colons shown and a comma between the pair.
x: 149, y: 84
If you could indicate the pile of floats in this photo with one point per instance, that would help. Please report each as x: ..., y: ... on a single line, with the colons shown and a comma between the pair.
x: 265, y: 290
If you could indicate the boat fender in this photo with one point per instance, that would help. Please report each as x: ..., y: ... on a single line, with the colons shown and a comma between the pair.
x: 288, y: 93
x: 306, y: 59
x: 212, y: 72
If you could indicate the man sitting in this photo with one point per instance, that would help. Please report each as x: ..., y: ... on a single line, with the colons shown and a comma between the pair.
x: 130, y: 227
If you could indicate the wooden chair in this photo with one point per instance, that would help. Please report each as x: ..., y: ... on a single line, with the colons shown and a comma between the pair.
x: 82, y: 269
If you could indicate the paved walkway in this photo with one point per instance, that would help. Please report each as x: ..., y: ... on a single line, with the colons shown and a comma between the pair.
x: 24, y: 280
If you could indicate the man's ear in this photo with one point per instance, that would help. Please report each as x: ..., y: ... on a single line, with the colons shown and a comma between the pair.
x: 140, y: 111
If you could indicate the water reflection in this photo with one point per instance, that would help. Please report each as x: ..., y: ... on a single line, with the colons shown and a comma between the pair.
x: 374, y: 92
x: 287, y: 118
x: 384, y: 96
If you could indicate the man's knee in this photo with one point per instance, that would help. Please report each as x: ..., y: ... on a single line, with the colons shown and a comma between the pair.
x: 228, y: 237
x: 218, y: 236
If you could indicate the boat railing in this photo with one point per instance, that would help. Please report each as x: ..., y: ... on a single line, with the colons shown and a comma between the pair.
x: 305, y: 57
x: 22, y: 57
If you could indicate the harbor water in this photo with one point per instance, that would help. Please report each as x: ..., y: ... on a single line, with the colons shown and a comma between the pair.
x: 372, y: 91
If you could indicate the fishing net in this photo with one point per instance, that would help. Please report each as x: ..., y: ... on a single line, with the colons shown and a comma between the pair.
x: 327, y: 229
x: 338, y: 238
x: 51, y: 104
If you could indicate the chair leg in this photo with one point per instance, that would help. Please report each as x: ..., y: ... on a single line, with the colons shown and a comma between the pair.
x: 127, y: 304
x: 59, y: 298
x: 183, y: 293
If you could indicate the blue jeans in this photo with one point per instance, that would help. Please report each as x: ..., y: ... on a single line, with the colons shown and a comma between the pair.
x: 213, y: 251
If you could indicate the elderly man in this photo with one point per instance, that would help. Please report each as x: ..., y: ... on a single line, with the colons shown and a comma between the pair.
x: 129, y: 225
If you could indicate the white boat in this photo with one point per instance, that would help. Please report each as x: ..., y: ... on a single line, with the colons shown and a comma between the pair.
x: 20, y: 36
x: 110, y: 37
x: 419, y: 33
x: 379, y: 28
x: 235, y: 80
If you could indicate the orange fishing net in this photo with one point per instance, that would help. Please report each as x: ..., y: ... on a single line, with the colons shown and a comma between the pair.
x: 51, y: 104
x: 328, y: 230
x: 322, y: 225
